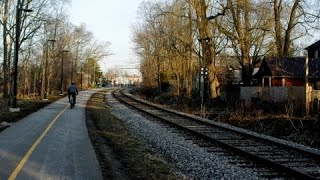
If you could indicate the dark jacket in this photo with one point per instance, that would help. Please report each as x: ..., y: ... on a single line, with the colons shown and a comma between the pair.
x: 73, y: 89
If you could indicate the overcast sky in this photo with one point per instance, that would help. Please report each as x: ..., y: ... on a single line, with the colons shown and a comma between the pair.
x: 109, y: 20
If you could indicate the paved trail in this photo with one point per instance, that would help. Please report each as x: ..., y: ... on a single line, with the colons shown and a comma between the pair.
x: 52, y: 143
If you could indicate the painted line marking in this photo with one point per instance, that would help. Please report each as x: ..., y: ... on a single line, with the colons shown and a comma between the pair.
x: 33, y: 147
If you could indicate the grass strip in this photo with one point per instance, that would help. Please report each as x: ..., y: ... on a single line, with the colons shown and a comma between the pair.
x: 27, y: 106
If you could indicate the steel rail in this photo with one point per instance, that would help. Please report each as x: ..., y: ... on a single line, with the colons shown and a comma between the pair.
x: 258, y: 158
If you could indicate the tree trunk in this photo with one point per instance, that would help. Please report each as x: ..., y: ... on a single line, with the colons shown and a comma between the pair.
x: 178, y: 85
x: 189, y: 60
x: 159, y: 75
x: 6, y: 69
x: 246, y: 68
x: 287, y: 38
x: 214, y: 83
x: 277, y: 4
x: 26, y: 80
x: 205, y: 39
x: 283, y: 39
x: 189, y: 75
x: 44, y: 66
x: 240, y: 15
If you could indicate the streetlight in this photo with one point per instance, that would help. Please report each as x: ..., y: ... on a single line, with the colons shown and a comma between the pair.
x: 61, y: 79
x: 16, y: 56
x: 46, y: 70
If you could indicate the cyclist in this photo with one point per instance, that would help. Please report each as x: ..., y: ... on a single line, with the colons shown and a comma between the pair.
x: 72, y: 91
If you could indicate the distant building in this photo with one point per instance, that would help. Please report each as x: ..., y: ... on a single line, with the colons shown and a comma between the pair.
x: 134, y: 80
x: 127, y: 80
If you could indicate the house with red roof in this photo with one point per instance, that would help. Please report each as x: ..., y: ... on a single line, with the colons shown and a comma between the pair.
x: 295, y: 79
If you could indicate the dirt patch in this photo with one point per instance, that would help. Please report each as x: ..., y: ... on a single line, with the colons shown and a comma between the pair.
x: 121, y: 156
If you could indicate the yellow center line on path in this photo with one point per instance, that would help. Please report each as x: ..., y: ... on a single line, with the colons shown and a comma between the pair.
x: 33, y: 147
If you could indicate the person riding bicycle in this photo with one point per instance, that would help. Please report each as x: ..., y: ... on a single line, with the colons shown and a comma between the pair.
x: 72, y: 91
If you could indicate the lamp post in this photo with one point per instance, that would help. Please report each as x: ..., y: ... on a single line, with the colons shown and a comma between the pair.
x: 61, y: 78
x: 16, y: 56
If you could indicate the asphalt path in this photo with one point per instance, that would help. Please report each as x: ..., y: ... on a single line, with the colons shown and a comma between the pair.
x: 52, y: 143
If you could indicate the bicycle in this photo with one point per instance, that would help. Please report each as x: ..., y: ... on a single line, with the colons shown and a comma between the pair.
x: 71, y: 102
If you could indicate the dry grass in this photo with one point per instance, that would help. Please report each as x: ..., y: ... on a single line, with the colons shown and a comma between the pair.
x: 27, y: 106
x: 299, y: 130
x: 136, y: 161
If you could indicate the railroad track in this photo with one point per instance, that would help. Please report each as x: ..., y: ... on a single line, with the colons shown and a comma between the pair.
x: 287, y: 159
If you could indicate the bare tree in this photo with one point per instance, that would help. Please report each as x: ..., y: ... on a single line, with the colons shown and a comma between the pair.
x: 167, y: 40
x: 5, y: 44
x: 204, y: 28
x: 44, y: 35
x: 29, y: 27
x: 293, y: 20
x: 283, y: 42
x: 247, y: 25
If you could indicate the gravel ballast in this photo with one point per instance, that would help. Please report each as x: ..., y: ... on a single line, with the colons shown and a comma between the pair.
x: 189, y: 158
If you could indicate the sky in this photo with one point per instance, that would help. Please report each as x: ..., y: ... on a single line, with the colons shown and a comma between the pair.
x: 110, y: 20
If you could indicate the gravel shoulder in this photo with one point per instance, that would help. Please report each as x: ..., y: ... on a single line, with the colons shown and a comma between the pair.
x: 135, y: 147
x: 193, y: 161
x: 121, y: 155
